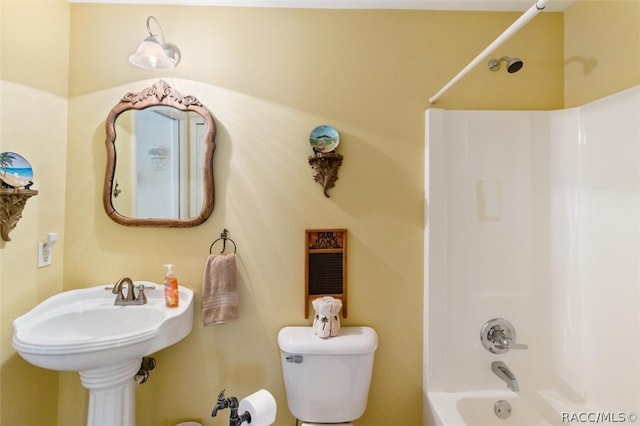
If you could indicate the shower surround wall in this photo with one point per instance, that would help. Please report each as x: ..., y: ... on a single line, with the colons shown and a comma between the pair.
x: 535, y: 217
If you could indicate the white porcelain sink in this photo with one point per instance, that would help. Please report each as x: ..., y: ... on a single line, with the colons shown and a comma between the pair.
x: 82, y: 330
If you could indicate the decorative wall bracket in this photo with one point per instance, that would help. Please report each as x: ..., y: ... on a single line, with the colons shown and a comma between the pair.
x: 325, y: 169
x: 12, y: 202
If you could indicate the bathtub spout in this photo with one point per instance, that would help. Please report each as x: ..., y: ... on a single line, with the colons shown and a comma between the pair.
x: 501, y: 370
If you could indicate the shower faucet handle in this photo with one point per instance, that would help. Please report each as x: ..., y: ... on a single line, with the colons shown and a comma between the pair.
x: 499, y: 336
x: 514, y: 345
x: 518, y: 346
x: 502, y: 339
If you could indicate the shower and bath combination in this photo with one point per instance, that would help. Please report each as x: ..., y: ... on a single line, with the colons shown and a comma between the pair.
x: 547, y: 254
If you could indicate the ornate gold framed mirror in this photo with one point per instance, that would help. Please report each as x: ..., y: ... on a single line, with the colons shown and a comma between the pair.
x: 160, y: 147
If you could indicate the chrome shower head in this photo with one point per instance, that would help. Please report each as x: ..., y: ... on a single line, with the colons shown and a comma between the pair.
x: 513, y: 64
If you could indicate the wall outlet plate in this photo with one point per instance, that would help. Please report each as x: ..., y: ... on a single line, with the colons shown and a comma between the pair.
x: 44, y: 255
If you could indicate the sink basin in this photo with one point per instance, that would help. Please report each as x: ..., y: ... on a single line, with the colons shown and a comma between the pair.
x: 82, y: 330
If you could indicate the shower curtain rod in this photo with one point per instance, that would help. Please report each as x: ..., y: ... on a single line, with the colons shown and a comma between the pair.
x: 519, y: 23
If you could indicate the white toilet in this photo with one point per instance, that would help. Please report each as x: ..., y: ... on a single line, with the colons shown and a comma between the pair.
x: 327, y: 380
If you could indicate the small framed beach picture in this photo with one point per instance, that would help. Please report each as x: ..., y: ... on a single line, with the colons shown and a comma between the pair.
x: 15, y: 171
x: 324, y: 139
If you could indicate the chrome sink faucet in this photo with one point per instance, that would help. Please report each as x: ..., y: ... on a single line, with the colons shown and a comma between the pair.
x: 131, y: 298
x: 501, y: 370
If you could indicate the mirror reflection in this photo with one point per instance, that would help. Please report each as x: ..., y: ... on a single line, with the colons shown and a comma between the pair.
x: 160, y: 150
x: 160, y: 168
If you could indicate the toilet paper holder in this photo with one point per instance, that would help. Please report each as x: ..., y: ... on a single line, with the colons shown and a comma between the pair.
x: 232, y: 404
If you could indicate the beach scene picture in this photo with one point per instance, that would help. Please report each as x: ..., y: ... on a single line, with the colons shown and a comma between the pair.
x: 324, y: 139
x: 15, y: 170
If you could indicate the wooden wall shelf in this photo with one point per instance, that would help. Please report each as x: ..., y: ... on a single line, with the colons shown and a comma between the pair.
x: 12, y: 202
x: 325, y: 169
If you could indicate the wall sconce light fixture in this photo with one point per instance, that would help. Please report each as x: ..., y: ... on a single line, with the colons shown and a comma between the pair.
x: 152, y: 54
x: 158, y: 156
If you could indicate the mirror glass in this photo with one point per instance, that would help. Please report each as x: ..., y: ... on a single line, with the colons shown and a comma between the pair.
x: 159, y: 159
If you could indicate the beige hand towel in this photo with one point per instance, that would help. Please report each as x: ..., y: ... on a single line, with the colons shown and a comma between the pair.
x: 220, y: 298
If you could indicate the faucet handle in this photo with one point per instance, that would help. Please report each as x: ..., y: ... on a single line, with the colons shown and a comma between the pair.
x: 141, y: 297
x: 515, y: 345
x: 505, y: 338
x: 499, y: 336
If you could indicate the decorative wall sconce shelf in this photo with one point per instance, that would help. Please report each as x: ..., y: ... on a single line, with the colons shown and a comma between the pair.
x: 325, y: 169
x: 12, y: 202
x: 325, y: 162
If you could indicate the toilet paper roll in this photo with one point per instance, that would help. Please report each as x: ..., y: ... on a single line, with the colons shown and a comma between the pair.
x: 262, y: 407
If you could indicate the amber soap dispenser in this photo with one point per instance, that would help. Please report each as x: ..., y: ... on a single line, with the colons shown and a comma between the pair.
x: 170, y: 287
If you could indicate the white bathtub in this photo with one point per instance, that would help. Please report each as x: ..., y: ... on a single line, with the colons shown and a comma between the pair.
x: 476, y: 408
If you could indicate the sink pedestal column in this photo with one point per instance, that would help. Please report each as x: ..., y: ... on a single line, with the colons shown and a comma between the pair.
x: 111, y: 394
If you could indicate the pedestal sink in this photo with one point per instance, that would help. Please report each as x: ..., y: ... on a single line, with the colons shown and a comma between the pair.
x: 82, y: 330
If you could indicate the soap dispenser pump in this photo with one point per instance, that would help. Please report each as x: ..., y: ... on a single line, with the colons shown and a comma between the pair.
x: 170, y: 287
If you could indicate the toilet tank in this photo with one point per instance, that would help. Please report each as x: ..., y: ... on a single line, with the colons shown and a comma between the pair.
x: 327, y: 380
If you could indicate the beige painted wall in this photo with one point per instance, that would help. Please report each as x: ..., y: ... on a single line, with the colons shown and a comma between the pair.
x: 33, y: 122
x: 269, y: 76
x: 602, y: 49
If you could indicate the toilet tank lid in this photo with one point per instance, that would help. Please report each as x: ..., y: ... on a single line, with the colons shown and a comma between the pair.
x: 352, y: 340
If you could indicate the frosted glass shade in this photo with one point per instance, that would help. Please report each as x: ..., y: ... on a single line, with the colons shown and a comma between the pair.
x: 151, y: 55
